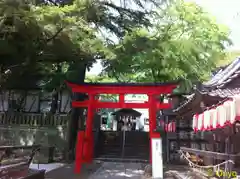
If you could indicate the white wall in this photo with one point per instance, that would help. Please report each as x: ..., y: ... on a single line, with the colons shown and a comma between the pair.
x: 34, y: 102
x: 139, y: 98
x: 30, y: 103
x: 3, y: 101
x: 65, y: 101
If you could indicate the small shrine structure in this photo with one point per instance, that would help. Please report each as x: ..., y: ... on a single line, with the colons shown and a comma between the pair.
x: 214, y: 108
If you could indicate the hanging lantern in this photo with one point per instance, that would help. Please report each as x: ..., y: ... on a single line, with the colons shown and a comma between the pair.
x: 200, y: 122
x: 174, y: 126
x: 195, y: 123
x: 161, y: 122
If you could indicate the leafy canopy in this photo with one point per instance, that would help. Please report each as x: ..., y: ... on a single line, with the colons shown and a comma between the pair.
x: 45, y: 42
x: 184, y: 43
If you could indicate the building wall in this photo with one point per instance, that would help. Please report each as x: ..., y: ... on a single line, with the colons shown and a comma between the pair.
x: 183, y: 137
x: 65, y: 101
x: 34, y: 128
x: 34, y: 101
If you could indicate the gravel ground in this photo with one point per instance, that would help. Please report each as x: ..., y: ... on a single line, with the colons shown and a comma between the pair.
x: 67, y: 172
x: 170, y: 172
x: 113, y: 170
x: 117, y: 170
x: 179, y: 171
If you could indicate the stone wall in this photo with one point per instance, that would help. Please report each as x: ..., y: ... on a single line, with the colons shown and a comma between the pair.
x: 22, y: 135
x: 28, y: 129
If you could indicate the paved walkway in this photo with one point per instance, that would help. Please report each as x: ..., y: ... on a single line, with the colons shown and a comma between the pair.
x: 113, y: 170
x: 47, y: 167
x: 107, y: 170
x: 67, y: 172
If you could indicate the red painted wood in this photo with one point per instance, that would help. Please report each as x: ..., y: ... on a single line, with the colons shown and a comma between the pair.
x: 155, y: 135
x: 126, y: 91
x: 98, y: 104
x: 121, y: 99
x: 164, y: 89
x: 88, y: 144
x: 92, y: 104
x: 152, y: 120
x: 79, y: 152
x: 163, y: 105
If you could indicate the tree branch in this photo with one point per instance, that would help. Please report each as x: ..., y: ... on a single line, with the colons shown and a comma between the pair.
x: 119, y: 9
x: 153, y: 75
x: 52, y: 2
x: 56, y: 34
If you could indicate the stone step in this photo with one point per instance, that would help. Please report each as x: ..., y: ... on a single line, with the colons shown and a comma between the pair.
x: 123, y: 160
x: 124, y: 154
x: 126, y: 146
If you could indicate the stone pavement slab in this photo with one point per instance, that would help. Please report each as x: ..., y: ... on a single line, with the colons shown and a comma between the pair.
x: 113, y: 170
x: 47, y: 167
x: 67, y: 172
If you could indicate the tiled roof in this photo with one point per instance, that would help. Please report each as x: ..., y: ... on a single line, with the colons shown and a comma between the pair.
x: 195, y: 97
x: 224, y: 76
x: 168, y: 112
x: 224, y: 93
x: 126, y: 111
x: 225, y: 83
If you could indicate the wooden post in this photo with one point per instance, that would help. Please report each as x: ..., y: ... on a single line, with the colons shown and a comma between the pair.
x: 167, y: 149
x: 79, y: 152
x: 121, y: 99
x: 89, y: 142
x: 152, y: 121
x: 157, y: 159
x: 91, y: 104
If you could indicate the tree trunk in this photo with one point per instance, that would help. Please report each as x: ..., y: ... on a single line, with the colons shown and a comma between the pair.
x: 54, y: 104
x: 76, y: 114
x: 55, y: 94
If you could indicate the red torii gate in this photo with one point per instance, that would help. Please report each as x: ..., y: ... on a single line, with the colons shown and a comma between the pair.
x: 85, y: 143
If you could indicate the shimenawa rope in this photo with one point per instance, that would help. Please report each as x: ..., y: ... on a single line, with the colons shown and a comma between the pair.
x: 215, y: 167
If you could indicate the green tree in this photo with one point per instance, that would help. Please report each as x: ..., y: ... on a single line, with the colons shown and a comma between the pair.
x: 46, y: 43
x: 228, y: 58
x: 184, y: 43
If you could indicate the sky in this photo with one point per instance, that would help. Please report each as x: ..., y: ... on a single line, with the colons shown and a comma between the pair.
x: 226, y: 12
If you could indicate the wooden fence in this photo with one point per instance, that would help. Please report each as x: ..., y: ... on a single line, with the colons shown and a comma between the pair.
x: 33, y: 119
x: 34, y: 128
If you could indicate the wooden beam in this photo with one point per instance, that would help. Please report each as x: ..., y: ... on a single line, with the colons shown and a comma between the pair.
x: 99, y: 104
x: 88, y: 145
x: 210, y: 154
x: 121, y: 98
x: 79, y: 151
x: 126, y: 91
x: 2, y: 148
x: 111, y: 89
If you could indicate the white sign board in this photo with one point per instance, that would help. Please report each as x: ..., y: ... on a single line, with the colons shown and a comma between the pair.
x: 157, y: 160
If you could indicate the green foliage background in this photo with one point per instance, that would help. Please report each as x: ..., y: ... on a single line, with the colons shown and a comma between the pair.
x: 44, y: 43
